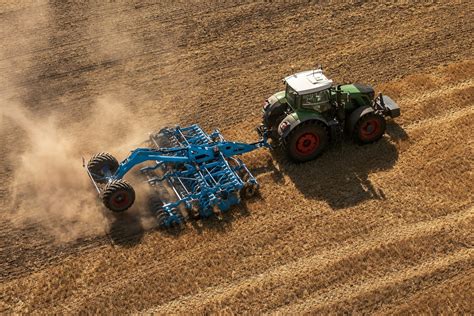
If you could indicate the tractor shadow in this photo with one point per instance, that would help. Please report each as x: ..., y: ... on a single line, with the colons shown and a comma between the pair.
x: 341, y: 175
x: 396, y: 132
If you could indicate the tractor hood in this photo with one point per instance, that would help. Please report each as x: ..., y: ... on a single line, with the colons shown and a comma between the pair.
x: 357, y: 88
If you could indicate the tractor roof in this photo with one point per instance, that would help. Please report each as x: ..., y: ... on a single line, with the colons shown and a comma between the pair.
x: 309, y: 81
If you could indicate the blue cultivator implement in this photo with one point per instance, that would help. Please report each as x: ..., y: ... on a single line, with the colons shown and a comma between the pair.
x: 197, y: 172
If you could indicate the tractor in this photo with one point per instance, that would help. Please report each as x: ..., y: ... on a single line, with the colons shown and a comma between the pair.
x: 312, y: 112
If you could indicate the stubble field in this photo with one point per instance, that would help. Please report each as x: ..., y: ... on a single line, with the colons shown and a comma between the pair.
x: 384, y: 228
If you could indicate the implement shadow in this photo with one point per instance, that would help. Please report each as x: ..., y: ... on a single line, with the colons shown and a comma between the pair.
x: 221, y: 222
x: 341, y: 175
x: 126, y: 229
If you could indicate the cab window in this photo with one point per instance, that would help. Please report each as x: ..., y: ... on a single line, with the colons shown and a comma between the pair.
x: 290, y: 95
x: 318, y: 101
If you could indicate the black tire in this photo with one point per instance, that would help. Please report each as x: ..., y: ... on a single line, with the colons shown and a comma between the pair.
x: 273, y: 117
x: 98, y: 163
x: 118, y: 196
x: 306, y: 141
x: 369, y: 128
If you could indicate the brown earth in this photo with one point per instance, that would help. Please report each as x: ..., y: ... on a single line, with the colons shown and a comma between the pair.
x: 385, y: 228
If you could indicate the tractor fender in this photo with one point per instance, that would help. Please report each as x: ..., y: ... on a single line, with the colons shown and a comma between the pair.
x: 356, y: 115
x: 292, y: 120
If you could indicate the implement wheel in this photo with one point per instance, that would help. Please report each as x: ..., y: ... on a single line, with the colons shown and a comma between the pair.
x: 100, y: 164
x: 306, y: 141
x: 118, y: 196
x: 369, y: 128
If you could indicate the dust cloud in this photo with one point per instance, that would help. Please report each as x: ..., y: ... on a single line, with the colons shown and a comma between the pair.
x: 50, y: 185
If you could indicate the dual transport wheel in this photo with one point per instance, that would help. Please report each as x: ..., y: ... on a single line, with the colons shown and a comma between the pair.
x: 118, y: 195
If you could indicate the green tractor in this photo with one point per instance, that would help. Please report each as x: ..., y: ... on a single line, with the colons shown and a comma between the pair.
x: 312, y: 111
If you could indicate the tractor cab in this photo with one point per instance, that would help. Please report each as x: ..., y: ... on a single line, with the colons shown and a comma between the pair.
x: 308, y: 90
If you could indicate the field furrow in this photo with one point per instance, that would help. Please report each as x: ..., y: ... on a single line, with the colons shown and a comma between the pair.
x: 379, y: 229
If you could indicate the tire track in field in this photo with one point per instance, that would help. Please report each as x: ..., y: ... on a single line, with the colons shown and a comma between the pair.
x: 439, y: 298
x: 449, y: 116
x: 313, y: 266
x: 366, y: 296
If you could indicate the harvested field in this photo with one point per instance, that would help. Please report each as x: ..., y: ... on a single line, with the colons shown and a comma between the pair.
x: 384, y: 228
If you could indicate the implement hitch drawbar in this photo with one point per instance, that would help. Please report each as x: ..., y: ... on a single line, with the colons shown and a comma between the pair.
x: 202, y: 172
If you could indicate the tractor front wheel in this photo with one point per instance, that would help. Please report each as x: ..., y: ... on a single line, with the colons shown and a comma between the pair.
x: 306, y: 141
x: 101, y: 164
x: 273, y: 117
x: 369, y: 128
x: 118, y: 196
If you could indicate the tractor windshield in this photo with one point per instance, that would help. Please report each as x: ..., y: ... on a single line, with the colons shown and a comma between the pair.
x: 290, y: 95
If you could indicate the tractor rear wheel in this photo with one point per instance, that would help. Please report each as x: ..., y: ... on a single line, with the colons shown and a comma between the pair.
x: 118, y: 196
x: 99, y: 164
x: 306, y: 141
x: 369, y: 128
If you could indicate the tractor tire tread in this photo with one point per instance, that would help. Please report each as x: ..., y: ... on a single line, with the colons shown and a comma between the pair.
x: 355, y: 133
